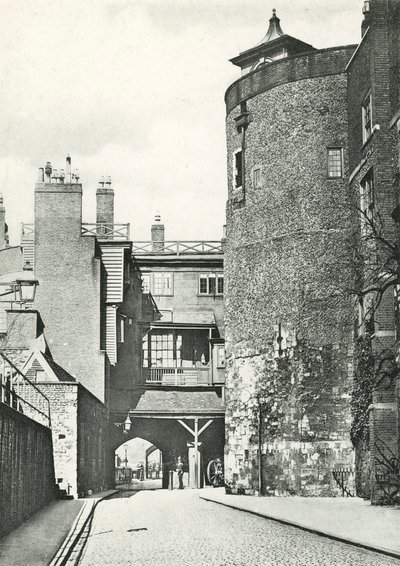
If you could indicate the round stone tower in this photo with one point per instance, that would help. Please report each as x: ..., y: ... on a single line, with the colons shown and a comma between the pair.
x: 288, y: 268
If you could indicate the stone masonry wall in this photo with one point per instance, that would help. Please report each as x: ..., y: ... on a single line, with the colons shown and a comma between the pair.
x: 289, y: 261
x: 63, y: 399
x: 26, y: 468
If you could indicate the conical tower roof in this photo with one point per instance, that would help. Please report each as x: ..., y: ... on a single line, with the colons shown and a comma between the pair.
x: 275, y: 45
x: 274, y: 30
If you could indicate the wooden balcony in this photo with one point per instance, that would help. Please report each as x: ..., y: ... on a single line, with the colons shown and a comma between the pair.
x: 178, y: 376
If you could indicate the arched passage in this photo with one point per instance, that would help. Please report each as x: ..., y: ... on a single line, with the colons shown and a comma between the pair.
x: 174, y: 440
x: 133, y: 470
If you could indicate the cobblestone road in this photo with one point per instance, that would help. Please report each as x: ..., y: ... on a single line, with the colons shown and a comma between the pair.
x: 164, y: 528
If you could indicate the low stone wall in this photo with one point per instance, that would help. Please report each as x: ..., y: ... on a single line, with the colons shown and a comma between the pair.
x: 26, y: 468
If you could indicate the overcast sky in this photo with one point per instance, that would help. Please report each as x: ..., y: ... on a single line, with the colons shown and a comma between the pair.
x: 135, y: 89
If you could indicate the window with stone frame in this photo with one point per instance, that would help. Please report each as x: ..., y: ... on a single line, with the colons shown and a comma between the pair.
x: 367, y: 118
x: 334, y: 162
x: 211, y: 284
x: 257, y: 178
x: 162, y: 283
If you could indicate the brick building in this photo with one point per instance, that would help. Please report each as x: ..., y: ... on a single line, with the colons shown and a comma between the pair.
x: 82, y: 342
x: 311, y: 136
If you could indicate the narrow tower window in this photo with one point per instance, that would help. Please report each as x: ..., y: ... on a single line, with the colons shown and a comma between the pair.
x: 238, y: 169
x: 257, y: 178
x: 367, y: 118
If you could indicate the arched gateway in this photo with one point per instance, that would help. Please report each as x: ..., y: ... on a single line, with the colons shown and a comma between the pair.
x: 180, y: 423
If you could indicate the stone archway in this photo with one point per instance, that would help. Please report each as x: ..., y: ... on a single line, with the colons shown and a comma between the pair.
x: 172, y: 438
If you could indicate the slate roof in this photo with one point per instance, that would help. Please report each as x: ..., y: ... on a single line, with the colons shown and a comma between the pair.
x: 59, y: 372
x: 179, y: 402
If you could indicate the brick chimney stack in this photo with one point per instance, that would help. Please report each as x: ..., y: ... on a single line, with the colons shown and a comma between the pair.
x: 157, y: 234
x: 366, y: 21
x: 105, y: 205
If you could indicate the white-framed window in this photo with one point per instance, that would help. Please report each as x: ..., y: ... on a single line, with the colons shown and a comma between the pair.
x: 162, y: 283
x: 121, y: 328
x: 146, y: 282
x: 238, y: 169
x: 367, y: 194
x: 162, y: 349
x: 334, y: 162
x: 221, y: 356
x: 367, y: 118
x: 257, y: 178
x: 211, y: 284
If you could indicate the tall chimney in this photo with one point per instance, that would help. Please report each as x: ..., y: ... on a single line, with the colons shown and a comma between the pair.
x: 157, y: 234
x: 105, y: 207
x: 3, y: 225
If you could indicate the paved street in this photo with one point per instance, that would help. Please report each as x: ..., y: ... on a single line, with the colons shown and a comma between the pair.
x: 177, y: 528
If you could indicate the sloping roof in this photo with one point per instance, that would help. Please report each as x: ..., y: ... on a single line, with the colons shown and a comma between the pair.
x: 53, y: 372
x: 178, y: 402
x: 60, y: 373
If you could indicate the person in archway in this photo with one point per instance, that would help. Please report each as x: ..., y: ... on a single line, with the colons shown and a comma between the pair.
x: 179, y: 471
x: 141, y: 471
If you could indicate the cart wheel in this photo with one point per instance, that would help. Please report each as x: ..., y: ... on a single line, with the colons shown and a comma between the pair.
x: 212, y: 473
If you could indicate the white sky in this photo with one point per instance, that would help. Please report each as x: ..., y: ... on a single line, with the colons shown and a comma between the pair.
x: 135, y: 89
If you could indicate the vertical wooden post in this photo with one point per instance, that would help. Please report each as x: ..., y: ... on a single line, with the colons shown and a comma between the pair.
x: 196, y: 451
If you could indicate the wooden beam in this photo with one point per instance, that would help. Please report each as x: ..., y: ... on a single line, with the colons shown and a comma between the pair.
x: 203, y: 428
x: 182, y: 423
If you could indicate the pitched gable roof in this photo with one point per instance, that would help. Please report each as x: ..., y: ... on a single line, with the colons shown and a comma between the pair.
x: 37, y: 361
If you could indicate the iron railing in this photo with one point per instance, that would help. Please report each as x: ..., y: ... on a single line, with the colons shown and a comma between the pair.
x: 18, y: 392
x: 177, y: 376
x: 177, y: 248
x: 345, y: 477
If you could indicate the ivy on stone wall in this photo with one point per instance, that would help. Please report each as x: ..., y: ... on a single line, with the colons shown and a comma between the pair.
x: 363, y: 387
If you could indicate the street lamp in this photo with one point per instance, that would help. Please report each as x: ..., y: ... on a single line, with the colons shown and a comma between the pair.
x: 26, y: 284
x: 127, y: 424
x: 19, y: 287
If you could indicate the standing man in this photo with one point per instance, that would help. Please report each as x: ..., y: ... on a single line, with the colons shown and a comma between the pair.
x: 179, y: 471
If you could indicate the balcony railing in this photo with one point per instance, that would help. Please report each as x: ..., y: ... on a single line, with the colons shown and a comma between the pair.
x: 21, y: 394
x: 100, y: 230
x: 107, y: 231
x: 177, y: 248
x: 177, y: 376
